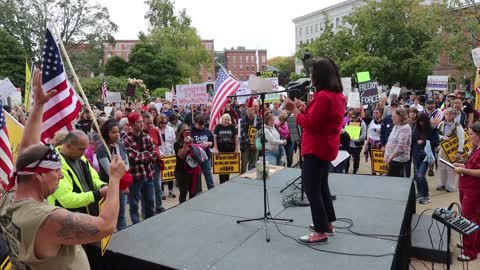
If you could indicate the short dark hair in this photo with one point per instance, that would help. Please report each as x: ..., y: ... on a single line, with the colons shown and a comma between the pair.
x: 107, y: 127
x: 325, y: 75
x: 475, y: 127
x: 200, y: 119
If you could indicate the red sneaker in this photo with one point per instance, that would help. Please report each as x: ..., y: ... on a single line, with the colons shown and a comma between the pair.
x: 314, y: 238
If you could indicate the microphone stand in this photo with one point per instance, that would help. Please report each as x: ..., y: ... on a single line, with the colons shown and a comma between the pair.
x: 266, y: 213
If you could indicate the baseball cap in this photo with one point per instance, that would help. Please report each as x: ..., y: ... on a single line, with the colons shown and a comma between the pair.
x: 429, y: 101
x: 394, y: 103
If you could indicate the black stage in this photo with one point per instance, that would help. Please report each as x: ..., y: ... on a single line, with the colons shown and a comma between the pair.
x: 202, y: 233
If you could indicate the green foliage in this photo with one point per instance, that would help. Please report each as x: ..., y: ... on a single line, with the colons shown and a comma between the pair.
x: 155, y: 68
x: 174, y: 35
x: 12, y: 60
x: 93, y: 86
x: 160, y: 92
x: 285, y: 65
x: 116, y: 66
x: 396, y: 40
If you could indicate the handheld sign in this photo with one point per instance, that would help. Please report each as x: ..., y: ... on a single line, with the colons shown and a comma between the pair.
x: 226, y: 163
x: 168, y: 173
x: 450, y: 147
x: 363, y: 76
x: 378, y: 164
x: 368, y: 93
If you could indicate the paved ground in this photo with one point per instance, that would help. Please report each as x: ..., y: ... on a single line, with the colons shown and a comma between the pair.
x: 439, y: 199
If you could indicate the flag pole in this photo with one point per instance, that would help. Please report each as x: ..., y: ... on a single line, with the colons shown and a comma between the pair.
x: 77, y: 82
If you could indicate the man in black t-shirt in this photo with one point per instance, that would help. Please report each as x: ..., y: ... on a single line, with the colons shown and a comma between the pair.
x: 226, y: 140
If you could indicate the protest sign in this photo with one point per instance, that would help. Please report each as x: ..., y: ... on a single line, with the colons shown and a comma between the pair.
x: 114, y: 97
x: 363, y: 76
x: 450, y: 147
x: 353, y: 100
x: 15, y: 133
x: 347, y: 85
x: 107, y: 110
x: 437, y: 83
x: 476, y: 57
x: 191, y: 94
x: 168, y: 96
x: 6, y: 90
x: 243, y: 90
x: 368, y: 92
x: 226, y: 163
x: 168, y: 173
x: 353, y: 131
x: 378, y: 164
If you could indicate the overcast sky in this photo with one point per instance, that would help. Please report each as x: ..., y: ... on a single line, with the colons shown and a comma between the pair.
x: 262, y: 24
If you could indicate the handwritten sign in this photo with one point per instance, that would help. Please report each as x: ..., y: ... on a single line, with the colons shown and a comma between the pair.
x: 191, y: 94
x: 437, y: 83
x: 252, y: 131
x: 168, y: 173
x: 226, y: 163
x: 378, y: 164
x: 346, y: 85
x: 450, y: 147
x: 368, y: 92
x: 353, y: 100
x: 114, y: 97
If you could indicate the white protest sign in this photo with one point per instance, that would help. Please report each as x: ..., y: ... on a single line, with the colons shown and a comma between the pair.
x: 191, y: 94
x: 353, y: 100
x: 107, y: 110
x: 243, y: 90
x: 259, y: 85
x: 114, y: 97
x: 7, y: 89
x: 168, y: 96
x: 347, y: 85
x: 476, y: 57
x: 437, y: 83
x: 396, y: 91
x: 17, y: 96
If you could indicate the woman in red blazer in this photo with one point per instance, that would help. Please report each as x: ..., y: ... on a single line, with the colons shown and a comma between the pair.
x: 322, y: 121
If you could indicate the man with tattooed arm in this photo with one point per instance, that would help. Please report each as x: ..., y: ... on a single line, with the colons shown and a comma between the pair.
x: 41, y: 236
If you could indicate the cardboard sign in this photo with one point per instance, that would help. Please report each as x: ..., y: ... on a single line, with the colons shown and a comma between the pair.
x: 353, y: 132
x: 168, y: 173
x: 226, y: 163
x: 15, y: 133
x: 450, y: 147
x: 378, y: 164
x: 368, y: 93
x: 437, y: 83
x: 191, y: 94
x: 114, y: 97
x: 252, y: 131
x: 476, y: 57
x: 353, y: 100
x: 346, y: 85
x: 6, y: 264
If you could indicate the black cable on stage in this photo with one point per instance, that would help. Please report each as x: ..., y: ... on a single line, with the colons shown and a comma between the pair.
x: 422, y: 262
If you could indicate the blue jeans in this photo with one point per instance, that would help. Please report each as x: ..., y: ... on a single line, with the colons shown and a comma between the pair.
x: 122, y: 220
x: 158, y: 187
x: 420, y: 168
x: 273, y: 156
x: 207, y: 172
x: 145, y: 190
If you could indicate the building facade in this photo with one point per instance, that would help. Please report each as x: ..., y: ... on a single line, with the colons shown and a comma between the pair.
x: 123, y: 49
x: 310, y: 26
x: 243, y: 62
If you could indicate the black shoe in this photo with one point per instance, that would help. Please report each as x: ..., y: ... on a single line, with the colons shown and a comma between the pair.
x: 441, y: 188
x: 171, y: 194
x: 334, y: 197
x: 159, y: 210
x: 431, y: 173
x: 164, y: 197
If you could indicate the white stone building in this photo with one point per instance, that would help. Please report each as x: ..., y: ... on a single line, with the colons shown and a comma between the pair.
x: 310, y: 26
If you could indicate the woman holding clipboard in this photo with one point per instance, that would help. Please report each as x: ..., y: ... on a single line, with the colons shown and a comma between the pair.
x: 469, y: 191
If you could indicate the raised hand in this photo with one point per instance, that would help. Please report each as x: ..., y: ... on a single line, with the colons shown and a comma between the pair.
x: 40, y: 97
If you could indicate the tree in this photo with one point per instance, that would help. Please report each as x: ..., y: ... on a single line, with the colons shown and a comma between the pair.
x: 12, y: 59
x: 79, y: 22
x: 160, y: 92
x: 174, y: 35
x: 93, y: 86
x: 154, y: 67
x: 285, y: 65
x: 396, y: 40
x: 116, y: 66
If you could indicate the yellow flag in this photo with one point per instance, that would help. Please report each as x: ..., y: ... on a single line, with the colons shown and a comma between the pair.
x: 477, y: 89
x: 15, y: 134
x: 28, y: 76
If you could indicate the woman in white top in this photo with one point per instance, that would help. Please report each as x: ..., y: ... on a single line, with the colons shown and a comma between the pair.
x: 273, y: 143
x: 167, y: 137
x: 373, y: 133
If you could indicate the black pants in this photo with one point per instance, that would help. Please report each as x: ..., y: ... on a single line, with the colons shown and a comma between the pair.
x: 397, y: 169
x: 170, y: 185
x: 355, y: 154
x: 224, y: 178
x: 315, y: 177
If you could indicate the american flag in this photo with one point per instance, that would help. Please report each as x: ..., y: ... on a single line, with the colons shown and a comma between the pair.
x: 64, y: 107
x: 174, y: 95
x: 104, y: 91
x: 6, y: 159
x: 225, y: 86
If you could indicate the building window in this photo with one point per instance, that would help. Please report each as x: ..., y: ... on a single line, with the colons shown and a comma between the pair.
x: 337, y: 22
x: 252, y: 68
x: 264, y: 68
x: 263, y: 59
x: 300, y: 31
x: 321, y: 26
x: 247, y: 68
x: 246, y: 59
x: 301, y: 42
x: 311, y: 28
x: 241, y: 66
x: 311, y: 40
x: 316, y: 28
x: 240, y: 59
x: 306, y: 30
x: 252, y: 58
x: 234, y: 59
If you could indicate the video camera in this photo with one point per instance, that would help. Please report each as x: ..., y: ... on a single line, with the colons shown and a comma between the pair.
x: 298, y: 89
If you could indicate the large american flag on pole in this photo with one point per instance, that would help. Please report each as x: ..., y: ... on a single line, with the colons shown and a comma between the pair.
x: 225, y: 86
x: 6, y: 159
x: 64, y: 107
